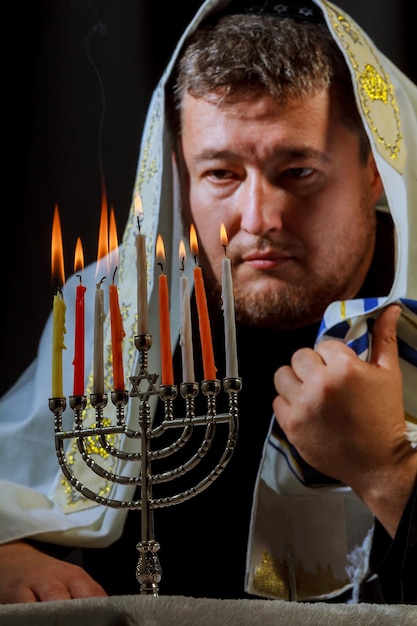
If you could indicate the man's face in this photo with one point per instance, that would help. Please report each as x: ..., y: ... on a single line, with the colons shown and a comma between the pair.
x: 296, y: 201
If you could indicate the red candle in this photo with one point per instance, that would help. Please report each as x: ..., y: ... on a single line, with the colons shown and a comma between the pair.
x: 117, y: 334
x: 167, y: 375
x: 209, y: 366
x: 98, y: 362
x: 78, y: 389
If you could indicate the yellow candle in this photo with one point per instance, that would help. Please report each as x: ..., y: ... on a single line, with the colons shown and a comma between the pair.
x: 58, y: 311
x: 58, y: 333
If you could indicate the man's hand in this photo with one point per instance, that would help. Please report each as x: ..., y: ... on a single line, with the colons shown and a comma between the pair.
x: 346, y: 418
x: 28, y: 575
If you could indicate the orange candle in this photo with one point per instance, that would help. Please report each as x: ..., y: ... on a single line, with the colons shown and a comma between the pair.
x: 167, y: 376
x: 78, y: 362
x: 58, y: 315
x: 209, y: 366
x: 117, y: 334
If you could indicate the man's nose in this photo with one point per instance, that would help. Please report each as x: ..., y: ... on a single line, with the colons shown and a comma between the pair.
x: 261, y: 206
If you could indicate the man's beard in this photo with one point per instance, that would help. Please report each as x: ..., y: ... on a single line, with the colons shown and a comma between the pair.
x: 289, y: 307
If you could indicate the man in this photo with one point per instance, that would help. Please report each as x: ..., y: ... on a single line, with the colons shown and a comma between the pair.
x: 268, y: 140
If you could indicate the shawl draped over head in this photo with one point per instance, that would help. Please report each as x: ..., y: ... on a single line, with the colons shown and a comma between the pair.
x: 305, y: 542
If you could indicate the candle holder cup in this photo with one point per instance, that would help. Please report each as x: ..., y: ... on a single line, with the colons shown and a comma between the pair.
x: 148, y: 570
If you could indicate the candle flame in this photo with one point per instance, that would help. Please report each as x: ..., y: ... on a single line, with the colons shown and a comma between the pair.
x: 113, y: 241
x: 223, y: 235
x: 57, y: 252
x: 193, y: 241
x: 160, y: 249
x: 113, y: 244
x: 102, y: 266
x: 181, y: 252
x: 78, y: 256
x: 138, y: 207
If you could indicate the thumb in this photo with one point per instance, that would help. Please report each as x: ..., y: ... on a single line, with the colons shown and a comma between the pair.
x: 384, y: 336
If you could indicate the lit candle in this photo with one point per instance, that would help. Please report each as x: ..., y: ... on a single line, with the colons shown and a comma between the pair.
x: 102, y: 267
x: 58, y: 332
x: 113, y: 244
x: 167, y: 376
x: 78, y: 389
x: 58, y: 312
x: 99, y: 317
x: 142, y: 274
x: 99, y: 313
x: 209, y: 367
x: 186, y: 340
x: 117, y: 334
x: 228, y: 307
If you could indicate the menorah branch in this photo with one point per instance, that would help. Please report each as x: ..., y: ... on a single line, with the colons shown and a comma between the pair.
x: 148, y: 571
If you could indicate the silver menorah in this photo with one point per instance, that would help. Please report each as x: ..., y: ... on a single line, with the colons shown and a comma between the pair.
x: 148, y: 570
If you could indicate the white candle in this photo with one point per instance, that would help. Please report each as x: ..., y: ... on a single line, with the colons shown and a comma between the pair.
x: 186, y: 340
x: 141, y: 273
x: 142, y: 284
x: 186, y: 336
x: 99, y: 317
x: 228, y: 307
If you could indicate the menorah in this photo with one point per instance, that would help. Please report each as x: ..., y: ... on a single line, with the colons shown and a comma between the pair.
x: 148, y: 570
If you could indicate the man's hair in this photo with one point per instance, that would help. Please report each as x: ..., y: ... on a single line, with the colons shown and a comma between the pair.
x: 243, y: 55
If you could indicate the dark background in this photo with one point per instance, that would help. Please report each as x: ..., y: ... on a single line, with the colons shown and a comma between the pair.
x: 82, y: 73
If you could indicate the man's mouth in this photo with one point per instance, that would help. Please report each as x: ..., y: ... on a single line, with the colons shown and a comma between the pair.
x: 266, y: 259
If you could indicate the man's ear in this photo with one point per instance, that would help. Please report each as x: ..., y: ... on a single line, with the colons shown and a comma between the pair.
x: 375, y: 179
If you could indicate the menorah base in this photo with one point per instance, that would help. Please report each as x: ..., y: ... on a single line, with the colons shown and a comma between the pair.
x: 148, y: 570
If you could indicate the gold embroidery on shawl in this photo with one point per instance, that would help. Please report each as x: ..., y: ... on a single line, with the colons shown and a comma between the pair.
x: 272, y: 579
x: 374, y: 88
x: 374, y: 85
x: 92, y: 447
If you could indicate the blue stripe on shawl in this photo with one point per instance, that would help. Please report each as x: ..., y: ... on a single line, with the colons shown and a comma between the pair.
x: 338, y: 331
x: 410, y: 304
x: 407, y: 353
x: 370, y: 303
x: 360, y: 344
x: 303, y: 471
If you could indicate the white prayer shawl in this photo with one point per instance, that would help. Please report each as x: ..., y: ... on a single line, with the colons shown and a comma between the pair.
x: 304, y: 542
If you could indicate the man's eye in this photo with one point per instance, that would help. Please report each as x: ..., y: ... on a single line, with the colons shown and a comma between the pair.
x: 299, y: 172
x: 220, y: 174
